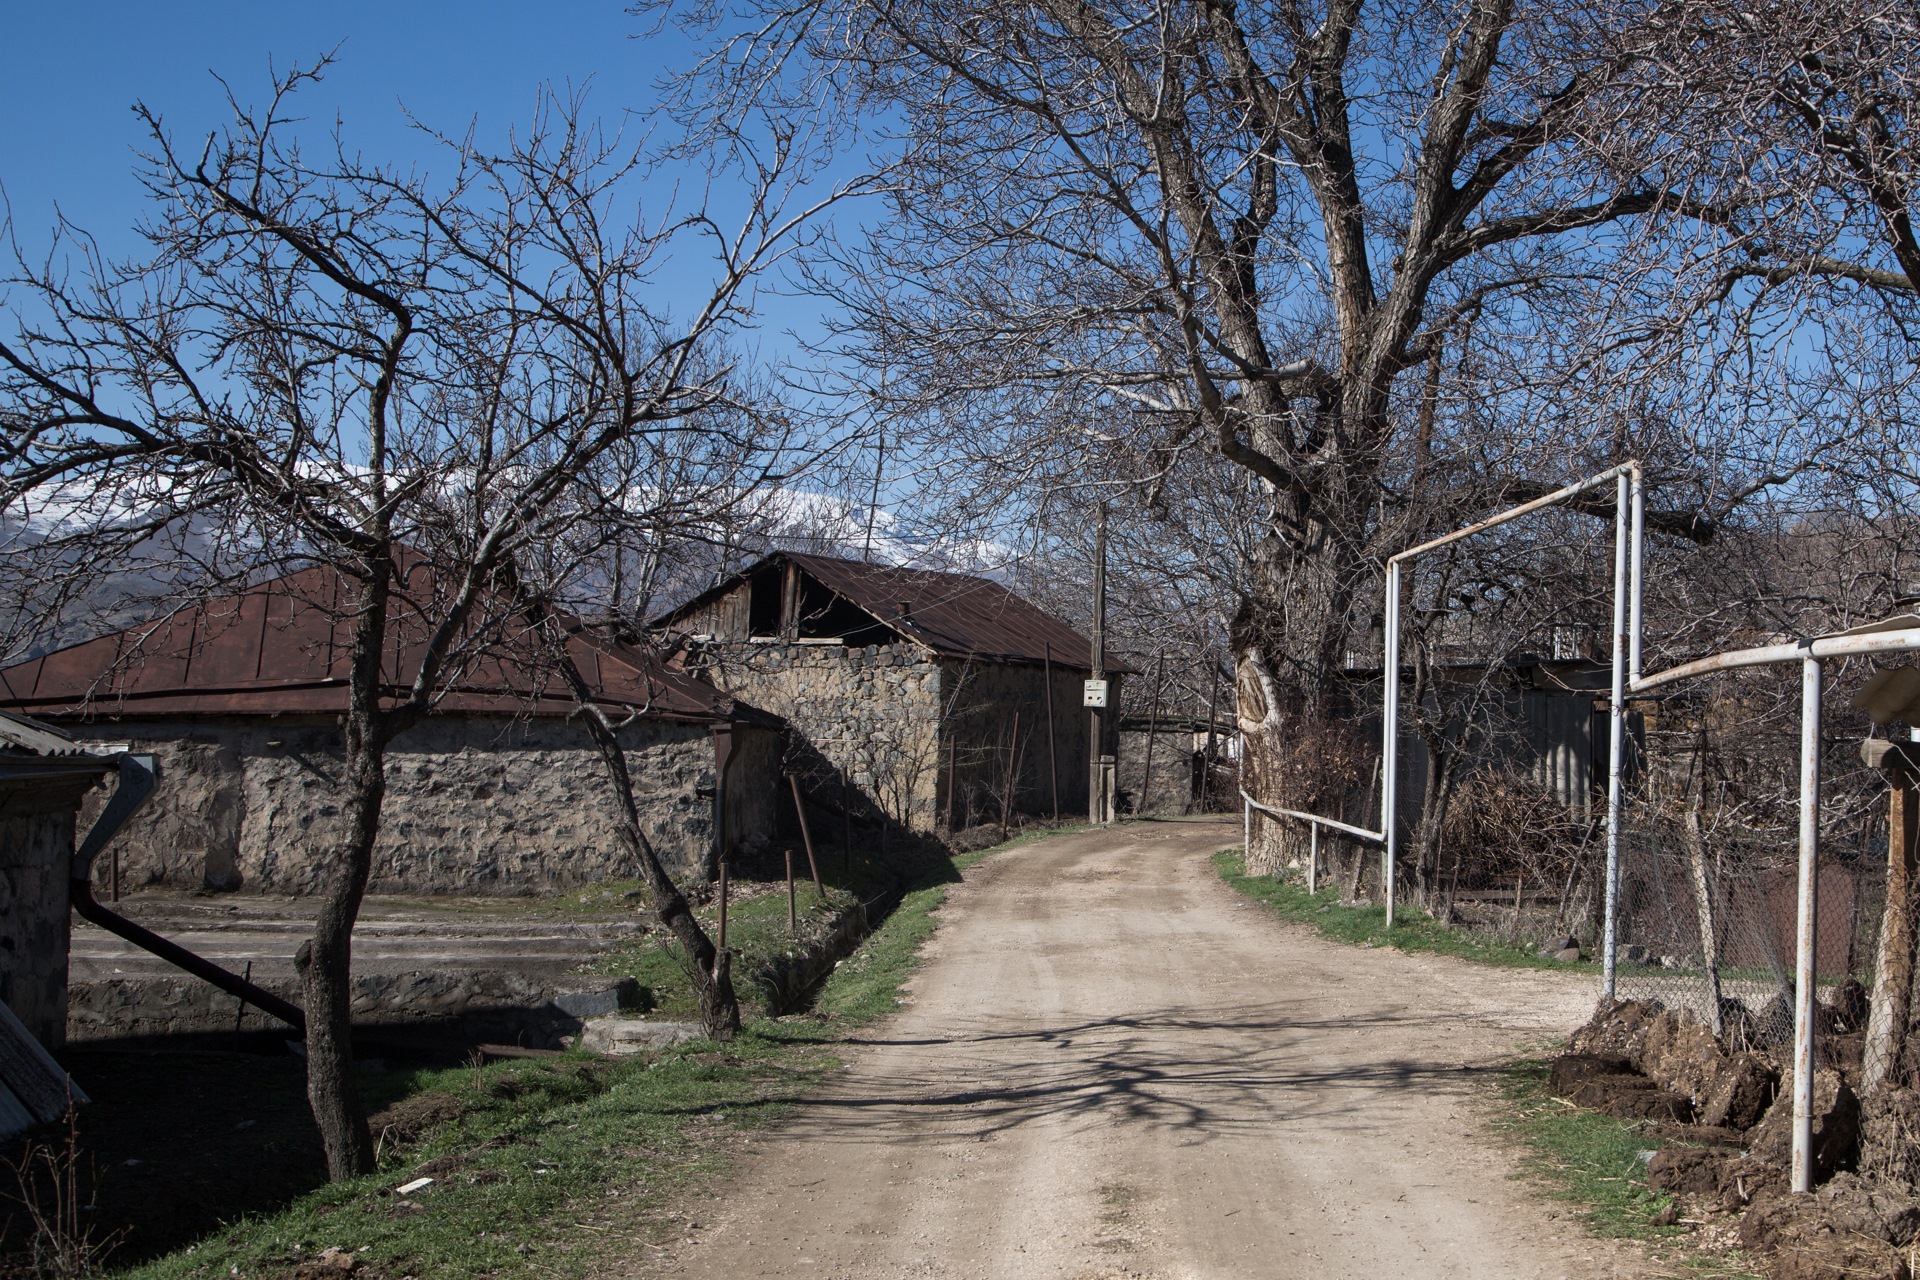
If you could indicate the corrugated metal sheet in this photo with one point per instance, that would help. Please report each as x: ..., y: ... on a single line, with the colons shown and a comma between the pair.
x: 1559, y: 730
x: 282, y: 647
x: 955, y: 614
x: 21, y: 735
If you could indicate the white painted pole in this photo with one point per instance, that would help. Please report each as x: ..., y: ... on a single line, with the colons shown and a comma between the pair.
x: 1803, y: 969
x: 1313, y: 857
x: 1390, y: 740
x: 1617, y: 738
x: 1637, y: 548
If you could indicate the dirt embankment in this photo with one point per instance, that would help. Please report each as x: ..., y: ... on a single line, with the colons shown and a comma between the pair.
x: 1111, y: 1066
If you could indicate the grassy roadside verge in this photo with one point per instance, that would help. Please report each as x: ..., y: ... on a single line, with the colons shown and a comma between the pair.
x: 1413, y: 929
x: 1595, y: 1162
x: 553, y: 1167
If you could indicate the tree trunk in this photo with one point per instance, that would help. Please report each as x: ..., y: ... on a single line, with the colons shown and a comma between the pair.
x: 325, y: 961
x: 1889, y: 1018
x: 712, y: 970
x: 1703, y: 895
x: 1300, y: 748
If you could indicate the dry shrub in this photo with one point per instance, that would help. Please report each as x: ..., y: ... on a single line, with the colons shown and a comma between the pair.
x: 57, y: 1200
x: 1320, y: 763
x: 1502, y: 826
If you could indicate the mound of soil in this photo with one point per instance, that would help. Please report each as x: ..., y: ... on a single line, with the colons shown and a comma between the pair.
x: 1724, y: 1089
x: 1606, y: 1083
x: 410, y: 1119
x: 1848, y: 1227
x: 1836, y: 1126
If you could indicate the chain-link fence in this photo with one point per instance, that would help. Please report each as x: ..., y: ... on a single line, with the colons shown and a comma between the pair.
x: 1709, y: 864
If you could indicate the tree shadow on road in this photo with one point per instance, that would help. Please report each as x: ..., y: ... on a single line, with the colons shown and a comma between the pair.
x: 1228, y: 1071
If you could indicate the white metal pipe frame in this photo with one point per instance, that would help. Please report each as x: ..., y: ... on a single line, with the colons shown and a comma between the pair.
x: 1627, y: 572
x: 1629, y: 679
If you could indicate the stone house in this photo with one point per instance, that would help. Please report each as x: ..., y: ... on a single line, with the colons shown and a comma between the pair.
x: 44, y: 774
x: 938, y: 698
x: 497, y: 790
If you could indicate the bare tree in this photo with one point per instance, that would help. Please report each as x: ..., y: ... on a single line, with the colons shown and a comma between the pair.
x: 1125, y: 238
x: 410, y: 382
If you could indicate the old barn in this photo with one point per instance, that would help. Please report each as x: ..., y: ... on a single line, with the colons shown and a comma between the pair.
x: 943, y: 698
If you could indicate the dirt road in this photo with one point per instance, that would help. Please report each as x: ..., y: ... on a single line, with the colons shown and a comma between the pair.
x: 1109, y: 1067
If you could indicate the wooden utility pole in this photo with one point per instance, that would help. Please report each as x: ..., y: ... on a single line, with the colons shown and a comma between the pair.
x: 1893, y: 982
x: 1100, y: 761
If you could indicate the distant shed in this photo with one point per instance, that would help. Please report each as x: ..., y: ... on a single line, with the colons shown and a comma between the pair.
x: 938, y: 696
x: 240, y: 697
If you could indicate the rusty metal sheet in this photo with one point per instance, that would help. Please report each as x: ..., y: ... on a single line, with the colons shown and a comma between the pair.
x: 279, y: 648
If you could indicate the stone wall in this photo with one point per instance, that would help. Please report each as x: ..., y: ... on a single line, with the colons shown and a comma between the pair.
x: 892, y: 718
x: 36, y: 851
x: 871, y: 713
x: 474, y: 803
x: 1171, y: 789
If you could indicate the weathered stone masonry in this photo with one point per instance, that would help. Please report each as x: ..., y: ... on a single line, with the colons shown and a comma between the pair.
x: 872, y: 713
x: 474, y: 803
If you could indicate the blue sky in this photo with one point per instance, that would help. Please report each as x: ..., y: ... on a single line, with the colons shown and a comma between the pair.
x: 70, y: 73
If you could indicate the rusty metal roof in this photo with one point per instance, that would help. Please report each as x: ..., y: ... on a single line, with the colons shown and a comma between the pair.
x: 955, y: 614
x: 282, y: 647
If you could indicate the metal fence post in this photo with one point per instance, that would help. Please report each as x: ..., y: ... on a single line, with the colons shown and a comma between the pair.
x: 1803, y: 969
x: 1617, y: 737
x: 1390, y: 740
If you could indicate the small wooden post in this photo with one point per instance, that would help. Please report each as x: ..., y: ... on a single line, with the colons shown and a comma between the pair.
x: 1013, y: 773
x: 806, y: 834
x: 846, y: 824
x: 793, y: 917
x: 953, y: 776
x: 240, y: 1014
x: 721, y: 945
x: 1213, y: 743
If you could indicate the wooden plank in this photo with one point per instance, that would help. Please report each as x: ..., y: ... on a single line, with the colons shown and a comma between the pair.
x: 26, y: 1068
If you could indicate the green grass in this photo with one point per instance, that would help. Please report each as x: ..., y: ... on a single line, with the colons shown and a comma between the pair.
x: 1594, y: 1161
x: 1413, y: 929
x: 554, y: 1168
x: 534, y: 1151
x: 756, y: 931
